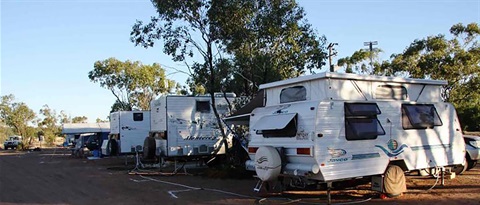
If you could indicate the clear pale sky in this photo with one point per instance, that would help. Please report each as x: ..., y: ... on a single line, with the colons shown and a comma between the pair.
x: 49, y: 46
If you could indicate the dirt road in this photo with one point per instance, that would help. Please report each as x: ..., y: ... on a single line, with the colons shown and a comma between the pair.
x: 54, y: 177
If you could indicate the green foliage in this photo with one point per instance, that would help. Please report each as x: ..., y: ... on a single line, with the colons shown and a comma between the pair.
x: 18, y: 116
x: 49, y: 124
x: 359, y: 62
x: 80, y: 119
x: 133, y: 84
x: 456, y: 60
x: 242, y: 43
x: 270, y: 41
x: 98, y: 120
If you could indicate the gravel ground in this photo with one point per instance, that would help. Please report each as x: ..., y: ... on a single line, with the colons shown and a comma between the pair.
x: 54, y: 177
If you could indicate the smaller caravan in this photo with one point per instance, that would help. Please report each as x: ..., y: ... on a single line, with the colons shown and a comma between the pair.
x: 186, y: 126
x: 332, y: 127
x: 128, y: 129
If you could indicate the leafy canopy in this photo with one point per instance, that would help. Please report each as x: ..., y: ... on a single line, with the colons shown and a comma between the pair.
x: 133, y: 84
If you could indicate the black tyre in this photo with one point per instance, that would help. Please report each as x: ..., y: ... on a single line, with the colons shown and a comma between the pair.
x: 149, y: 147
x: 470, y: 163
x: 460, y: 169
x: 112, y: 147
x: 394, y: 183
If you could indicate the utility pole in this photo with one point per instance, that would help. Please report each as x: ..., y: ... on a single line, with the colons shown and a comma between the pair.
x: 331, y: 52
x: 370, y: 45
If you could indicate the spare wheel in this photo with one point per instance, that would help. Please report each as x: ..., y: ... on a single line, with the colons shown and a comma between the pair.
x: 149, y: 146
x: 268, y: 163
x: 112, y: 147
x: 394, y: 182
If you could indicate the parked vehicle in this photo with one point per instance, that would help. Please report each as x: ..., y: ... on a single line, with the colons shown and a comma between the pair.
x: 186, y: 126
x: 13, y: 142
x: 74, y: 130
x: 128, y: 130
x: 332, y: 127
x: 472, y: 146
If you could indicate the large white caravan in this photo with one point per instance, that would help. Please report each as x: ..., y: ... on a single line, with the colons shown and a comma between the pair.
x: 330, y: 127
x: 186, y: 126
x: 128, y: 130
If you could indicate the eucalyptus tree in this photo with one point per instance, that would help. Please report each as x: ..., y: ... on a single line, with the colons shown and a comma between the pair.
x: 269, y: 40
x: 132, y: 83
x: 456, y: 60
x: 49, y: 125
x: 19, y: 117
x: 361, y: 62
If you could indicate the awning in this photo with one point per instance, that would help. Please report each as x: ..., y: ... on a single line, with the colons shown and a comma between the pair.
x: 274, y: 122
x: 242, y: 115
x: 79, y: 128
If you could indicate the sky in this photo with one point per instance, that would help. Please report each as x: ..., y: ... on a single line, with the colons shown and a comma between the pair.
x: 49, y: 46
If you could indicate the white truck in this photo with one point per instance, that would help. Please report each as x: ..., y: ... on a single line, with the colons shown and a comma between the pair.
x: 13, y: 142
x: 332, y: 127
x: 128, y: 130
x: 186, y: 126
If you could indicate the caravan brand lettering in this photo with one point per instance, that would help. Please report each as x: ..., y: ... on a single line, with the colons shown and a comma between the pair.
x: 201, y: 137
x: 338, y: 160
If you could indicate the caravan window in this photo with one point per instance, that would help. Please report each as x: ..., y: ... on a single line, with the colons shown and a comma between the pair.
x: 361, y: 121
x: 283, y: 125
x: 137, y: 116
x: 203, y: 106
x: 420, y: 116
x: 393, y: 92
x: 292, y: 94
x: 359, y: 109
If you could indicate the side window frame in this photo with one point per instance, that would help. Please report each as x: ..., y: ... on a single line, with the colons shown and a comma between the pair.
x: 293, y: 94
x: 427, y: 119
x: 358, y: 116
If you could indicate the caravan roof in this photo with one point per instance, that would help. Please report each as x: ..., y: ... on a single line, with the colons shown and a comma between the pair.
x: 78, y: 128
x: 347, y: 76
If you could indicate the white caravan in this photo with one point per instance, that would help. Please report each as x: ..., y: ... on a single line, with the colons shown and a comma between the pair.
x: 330, y: 127
x: 186, y: 126
x: 128, y: 130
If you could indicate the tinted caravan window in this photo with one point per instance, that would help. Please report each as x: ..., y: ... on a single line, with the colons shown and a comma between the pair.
x: 420, y: 116
x: 361, y: 121
x: 203, y: 106
x: 137, y: 116
x: 292, y: 94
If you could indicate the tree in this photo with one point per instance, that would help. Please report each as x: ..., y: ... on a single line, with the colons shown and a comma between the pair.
x: 98, y: 120
x: 133, y: 84
x: 359, y: 62
x: 64, y: 118
x: 80, y: 119
x: 18, y: 116
x: 176, y: 24
x: 456, y: 60
x: 270, y: 41
x: 49, y: 124
x: 199, y: 27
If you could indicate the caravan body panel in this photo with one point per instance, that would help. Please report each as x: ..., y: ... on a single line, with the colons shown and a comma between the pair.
x: 356, y: 126
x: 187, y: 126
x: 132, y: 127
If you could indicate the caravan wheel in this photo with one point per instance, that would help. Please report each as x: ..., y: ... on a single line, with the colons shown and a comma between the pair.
x: 394, y: 183
x: 112, y: 147
x: 149, y: 147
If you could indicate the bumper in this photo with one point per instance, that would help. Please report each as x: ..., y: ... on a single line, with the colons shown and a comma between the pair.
x: 473, y: 152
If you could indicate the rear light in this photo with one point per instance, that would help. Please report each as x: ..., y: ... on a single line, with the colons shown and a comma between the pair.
x: 252, y: 149
x: 303, y: 151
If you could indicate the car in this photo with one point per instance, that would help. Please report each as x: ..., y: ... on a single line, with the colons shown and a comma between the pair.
x: 472, y: 147
x: 13, y: 142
